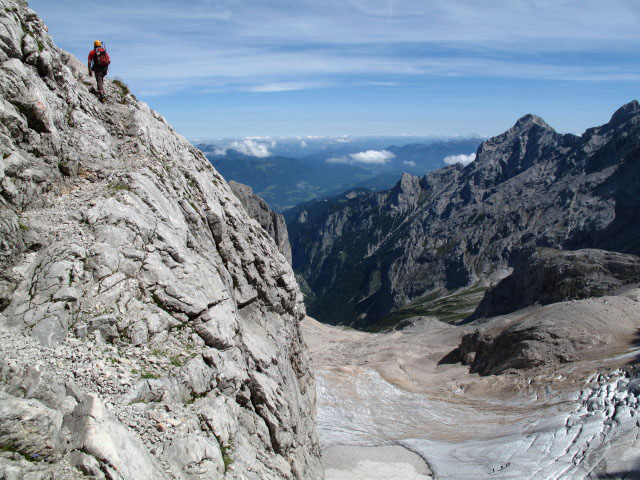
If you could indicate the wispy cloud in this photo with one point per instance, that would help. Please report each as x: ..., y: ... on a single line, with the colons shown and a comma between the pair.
x: 462, y: 159
x: 286, y: 86
x: 265, y: 47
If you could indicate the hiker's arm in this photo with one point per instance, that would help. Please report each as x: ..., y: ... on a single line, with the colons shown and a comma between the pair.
x: 89, y: 67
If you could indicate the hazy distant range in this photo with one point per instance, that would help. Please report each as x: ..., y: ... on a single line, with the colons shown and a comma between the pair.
x: 289, y: 171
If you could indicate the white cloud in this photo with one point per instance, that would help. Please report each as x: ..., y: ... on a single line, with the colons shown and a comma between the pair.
x: 370, y: 157
x: 247, y: 146
x: 463, y: 159
x: 409, y: 163
x: 373, y: 157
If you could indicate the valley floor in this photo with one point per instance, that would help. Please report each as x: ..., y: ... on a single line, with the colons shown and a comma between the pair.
x: 387, y: 409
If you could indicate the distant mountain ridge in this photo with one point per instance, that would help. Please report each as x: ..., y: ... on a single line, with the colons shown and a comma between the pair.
x: 285, y: 182
x: 367, y: 256
x: 310, y: 146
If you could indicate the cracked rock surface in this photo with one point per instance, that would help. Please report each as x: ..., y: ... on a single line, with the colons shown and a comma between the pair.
x: 271, y: 221
x: 149, y: 328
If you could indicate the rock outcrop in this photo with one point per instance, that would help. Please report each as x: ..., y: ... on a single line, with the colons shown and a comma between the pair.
x: 552, y: 335
x: 271, y: 221
x: 149, y: 328
x: 458, y: 227
x: 549, y: 276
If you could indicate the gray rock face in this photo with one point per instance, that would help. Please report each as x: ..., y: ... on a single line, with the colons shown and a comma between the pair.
x: 271, y: 221
x: 166, y: 320
x: 369, y: 255
x: 548, y: 276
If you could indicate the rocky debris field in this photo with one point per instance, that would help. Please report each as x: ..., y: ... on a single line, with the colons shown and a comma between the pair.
x: 129, y: 385
x: 556, y: 334
x: 572, y: 413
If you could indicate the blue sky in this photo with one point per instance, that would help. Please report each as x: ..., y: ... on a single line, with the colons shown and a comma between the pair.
x: 234, y: 68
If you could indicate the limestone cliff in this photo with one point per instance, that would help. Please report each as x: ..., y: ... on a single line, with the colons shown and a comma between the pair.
x: 149, y: 327
x: 271, y: 221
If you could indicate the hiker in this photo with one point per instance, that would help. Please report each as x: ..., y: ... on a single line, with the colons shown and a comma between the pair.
x: 99, y: 63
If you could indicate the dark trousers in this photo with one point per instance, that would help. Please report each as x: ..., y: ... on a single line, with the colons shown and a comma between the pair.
x: 100, y: 73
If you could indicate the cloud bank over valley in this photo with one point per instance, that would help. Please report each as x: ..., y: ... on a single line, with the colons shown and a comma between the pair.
x: 463, y: 159
x: 370, y: 157
x: 247, y: 146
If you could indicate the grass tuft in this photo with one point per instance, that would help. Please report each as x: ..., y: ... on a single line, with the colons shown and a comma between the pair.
x: 11, y: 449
x: 176, y: 361
x: 123, y: 90
x: 226, y: 457
x: 118, y: 186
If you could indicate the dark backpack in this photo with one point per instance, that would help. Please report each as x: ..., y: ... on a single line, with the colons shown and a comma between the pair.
x: 101, y: 58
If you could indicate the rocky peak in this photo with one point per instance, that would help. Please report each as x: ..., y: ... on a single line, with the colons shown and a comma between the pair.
x: 530, y: 121
x: 514, y: 151
x: 529, y: 186
x: 528, y: 129
x: 625, y: 113
x: 149, y: 328
x: 406, y: 192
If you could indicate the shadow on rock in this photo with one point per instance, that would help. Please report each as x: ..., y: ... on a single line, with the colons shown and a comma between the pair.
x: 633, y: 474
x: 452, y: 357
x: 636, y: 344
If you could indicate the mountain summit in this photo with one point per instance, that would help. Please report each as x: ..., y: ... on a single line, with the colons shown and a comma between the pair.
x: 529, y: 121
x: 625, y: 113
x: 466, y: 227
x: 149, y: 328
